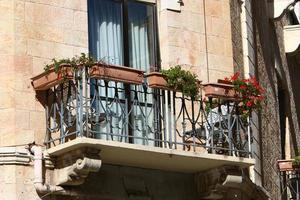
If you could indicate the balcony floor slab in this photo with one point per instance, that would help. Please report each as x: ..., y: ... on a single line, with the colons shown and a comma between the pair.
x: 135, y: 155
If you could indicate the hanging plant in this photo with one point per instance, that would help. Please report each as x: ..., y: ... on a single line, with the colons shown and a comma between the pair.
x: 182, y: 80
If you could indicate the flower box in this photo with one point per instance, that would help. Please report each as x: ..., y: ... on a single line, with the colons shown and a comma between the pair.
x: 287, y: 165
x: 156, y: 80
x: 117, y: 73
x: 51, y: 78
x: 220, y: 90
x: 225, y: 82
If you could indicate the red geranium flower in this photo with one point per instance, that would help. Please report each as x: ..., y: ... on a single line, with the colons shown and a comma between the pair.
x: 235, y: 76
x: 243, y: 87
x: 249, y: 103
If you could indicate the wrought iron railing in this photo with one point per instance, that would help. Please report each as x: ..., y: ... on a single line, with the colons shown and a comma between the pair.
x: 138, y: 114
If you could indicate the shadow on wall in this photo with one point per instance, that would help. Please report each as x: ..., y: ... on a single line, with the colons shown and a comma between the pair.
x: 236, y: 35
x: 274, y: 60
x: 294, y: 70
x: 267, y: 55
x: 283, y: 68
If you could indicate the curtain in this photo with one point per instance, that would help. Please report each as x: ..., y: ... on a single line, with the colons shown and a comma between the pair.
x: 105, y: 31
x: 141, y: 56
x: 106, y: 44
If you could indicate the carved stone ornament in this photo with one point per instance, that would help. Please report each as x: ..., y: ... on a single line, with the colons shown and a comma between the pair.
x: 227, y: 183
x: 73, y: 167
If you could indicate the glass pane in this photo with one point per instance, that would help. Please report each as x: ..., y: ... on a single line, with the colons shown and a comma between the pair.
x: 141, y: 35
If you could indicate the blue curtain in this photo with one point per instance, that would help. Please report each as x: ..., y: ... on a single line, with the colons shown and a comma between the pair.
x: 105, y: 31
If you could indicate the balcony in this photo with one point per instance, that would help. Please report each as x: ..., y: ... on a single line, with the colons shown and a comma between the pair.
x: 289, y: 179
x: 134, y: 124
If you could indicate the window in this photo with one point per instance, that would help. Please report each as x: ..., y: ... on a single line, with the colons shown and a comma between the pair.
x: 123, y: 32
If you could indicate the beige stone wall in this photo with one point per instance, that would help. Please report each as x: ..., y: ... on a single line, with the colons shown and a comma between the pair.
x: 198, y: 37
x: 32, y: 32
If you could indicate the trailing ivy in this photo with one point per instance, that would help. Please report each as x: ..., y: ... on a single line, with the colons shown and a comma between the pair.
x: 182, y: 80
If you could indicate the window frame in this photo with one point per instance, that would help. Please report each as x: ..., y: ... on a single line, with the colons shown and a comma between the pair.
x: 125, y: 33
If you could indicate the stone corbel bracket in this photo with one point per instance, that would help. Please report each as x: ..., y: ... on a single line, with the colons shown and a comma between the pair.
x: 72, y: 168
x: 217, y: 183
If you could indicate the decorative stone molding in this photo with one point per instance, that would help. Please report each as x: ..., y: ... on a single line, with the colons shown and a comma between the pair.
x: 174, y: 5
x: 48, y: 161
x: 228, y: 182
x: 72, y: 168
x: 14, y: 156
x: 291, y: 38
x: 279, y: 7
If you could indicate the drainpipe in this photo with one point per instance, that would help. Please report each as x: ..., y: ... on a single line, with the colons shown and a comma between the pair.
x: 39, y: 184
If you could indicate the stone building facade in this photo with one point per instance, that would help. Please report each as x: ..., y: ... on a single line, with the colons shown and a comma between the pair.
x: 212, y: 38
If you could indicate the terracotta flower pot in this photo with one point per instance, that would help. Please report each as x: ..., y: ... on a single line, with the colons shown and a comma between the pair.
x: 51, y: 78
x: 224, y: 81
x: 156, y: 80
x: 287, y: 165
x: 117, y: 73
x: 220, y: 90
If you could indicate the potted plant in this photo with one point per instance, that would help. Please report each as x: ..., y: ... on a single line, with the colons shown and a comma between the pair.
x: 247, y: 92
x: 285, y: 165
x: 289, y: 165
x: 59, y: 71
x: 223, y: 89
x: 220, y: 90
x: 52, y: 77
x: 250, y: 93
x: 292, y: 169
x: 157, y: 80
x: 116, y: 73
x: 179, y: 80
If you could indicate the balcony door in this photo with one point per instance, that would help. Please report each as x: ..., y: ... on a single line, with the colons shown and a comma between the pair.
x: 123, y: 32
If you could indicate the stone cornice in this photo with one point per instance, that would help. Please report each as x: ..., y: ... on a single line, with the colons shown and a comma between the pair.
x: 14, y: 156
